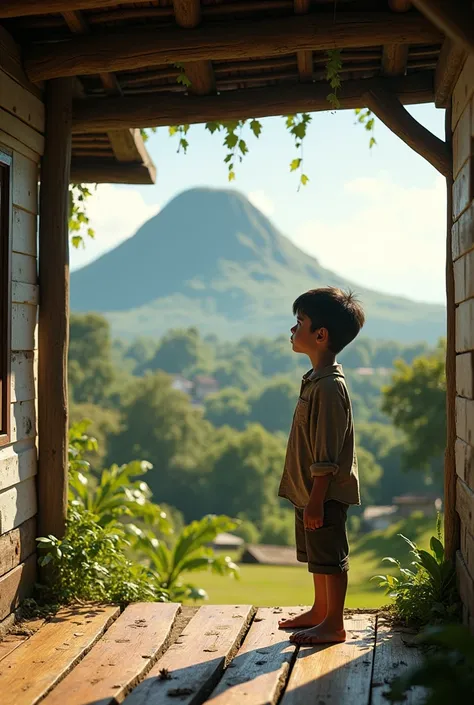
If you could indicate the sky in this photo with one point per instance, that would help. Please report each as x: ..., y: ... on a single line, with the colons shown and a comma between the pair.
x: 375, y: 216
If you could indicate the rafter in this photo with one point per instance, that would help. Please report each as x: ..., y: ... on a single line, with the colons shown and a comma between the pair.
x: 199, y: 73
x: 147, y: 47
x: 388, y: 108
x: 448, y: 69
x: 304, y: 58
x: 98, y: 171
x: 23, y: 8
x: 455, y: 18
x: 98, y: 114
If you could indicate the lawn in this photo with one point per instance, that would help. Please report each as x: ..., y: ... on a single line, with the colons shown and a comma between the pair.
x: 263, y: 585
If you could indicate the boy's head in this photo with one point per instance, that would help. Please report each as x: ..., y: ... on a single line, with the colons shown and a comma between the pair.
x: 328, y: 319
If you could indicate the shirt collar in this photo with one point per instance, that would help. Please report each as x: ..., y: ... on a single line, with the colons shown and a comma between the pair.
x: 329, y: 371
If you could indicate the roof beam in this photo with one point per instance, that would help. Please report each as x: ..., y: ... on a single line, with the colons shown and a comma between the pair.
x: 98, y: 171
x: 448, y: 69
x: 455, y: 18
x: 23, y: 8
x: 200, y: 74
x: 304, y: 58
x: 99, y: 114
x: 387, y: 107
x: 145, y: 47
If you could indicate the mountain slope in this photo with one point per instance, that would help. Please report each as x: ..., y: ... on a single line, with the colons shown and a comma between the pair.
x: 212, y: 260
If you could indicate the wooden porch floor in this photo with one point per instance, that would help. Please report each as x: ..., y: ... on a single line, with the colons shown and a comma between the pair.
x: 155, y: 654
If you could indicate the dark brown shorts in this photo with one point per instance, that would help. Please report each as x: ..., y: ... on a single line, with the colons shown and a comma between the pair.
x: 325, y: 550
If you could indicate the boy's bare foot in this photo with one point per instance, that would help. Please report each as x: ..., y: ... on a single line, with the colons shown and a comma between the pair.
x: 318, y: 635
x: 310, y: 618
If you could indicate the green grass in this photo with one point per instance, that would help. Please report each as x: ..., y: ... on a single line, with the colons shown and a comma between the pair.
x: 265, y: 586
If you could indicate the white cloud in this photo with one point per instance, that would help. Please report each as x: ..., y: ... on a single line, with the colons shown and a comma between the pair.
x: 393, y: 239
x: 115, y: 214
x: 261, y: 201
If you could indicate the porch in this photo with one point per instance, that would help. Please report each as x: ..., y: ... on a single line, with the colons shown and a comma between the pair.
x: 158, y: 653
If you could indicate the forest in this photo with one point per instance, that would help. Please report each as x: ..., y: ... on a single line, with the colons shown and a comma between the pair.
x: 222, y: 451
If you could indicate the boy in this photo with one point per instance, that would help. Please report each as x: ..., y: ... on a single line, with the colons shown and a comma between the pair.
x: 320, y: 476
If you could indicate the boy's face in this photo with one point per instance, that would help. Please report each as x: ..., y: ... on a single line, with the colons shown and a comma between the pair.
x: 303, y: 339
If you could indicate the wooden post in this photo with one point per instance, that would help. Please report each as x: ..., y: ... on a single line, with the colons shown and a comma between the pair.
x: 451, y: 519
x: 54, y: 309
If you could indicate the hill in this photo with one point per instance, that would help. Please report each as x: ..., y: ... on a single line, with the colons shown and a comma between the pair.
x: 211, y: 260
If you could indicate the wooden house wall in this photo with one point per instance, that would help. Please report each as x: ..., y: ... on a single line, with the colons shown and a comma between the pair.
x: 463, y: 256
x: 21, y: 134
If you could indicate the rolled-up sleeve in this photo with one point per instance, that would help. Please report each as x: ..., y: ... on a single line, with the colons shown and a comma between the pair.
x: 329, y: 419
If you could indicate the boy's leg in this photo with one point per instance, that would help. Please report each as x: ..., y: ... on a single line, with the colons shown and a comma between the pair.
x: 317, y: 613
x: 328, y: 551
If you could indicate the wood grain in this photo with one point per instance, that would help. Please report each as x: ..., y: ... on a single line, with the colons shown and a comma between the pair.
x: 23, y: 326
x: 393, y: 658
x: 455, y: 18
x: 118, y: 661
x: 448, y: 69
x: 17, y: 545
x: 33, y: 139
x: 14, y: 587
x: 23, y: 8
x: 95, y: 171
x: 91, y: 54
x: 18, y: 463
x: 17, y: 504
x: 261, y: 668
x: 197, y: 659
x: 338, y: 673
x: 465, y: 375
x: 23, y: 421
x: 24, y: 232
x: 18, y: 101
x: 23, y: 376
x: 32, y: 670
x: 25, y: 183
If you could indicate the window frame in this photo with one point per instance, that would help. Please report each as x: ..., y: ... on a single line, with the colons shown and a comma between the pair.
x: 6, y: 172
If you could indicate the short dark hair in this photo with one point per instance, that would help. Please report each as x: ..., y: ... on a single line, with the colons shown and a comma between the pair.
x: 338, y: 311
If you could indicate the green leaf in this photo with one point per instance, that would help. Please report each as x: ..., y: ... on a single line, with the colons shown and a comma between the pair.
x: 256, y: 127
x: 295, y: 164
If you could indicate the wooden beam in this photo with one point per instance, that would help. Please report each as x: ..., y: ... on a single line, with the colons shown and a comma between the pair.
x: 448, y: 69
x: 455, y: 18
x: 451, y: 518
x: 304, y: 58
x: 199, y: 73
x: 99, y: 114
x: 388, y: 108
x: 399, y: 5
x: 23, y: 8
x: 394, y: 59
x: 54, y: 310
x: 95, y: 171
x: 116, y: 51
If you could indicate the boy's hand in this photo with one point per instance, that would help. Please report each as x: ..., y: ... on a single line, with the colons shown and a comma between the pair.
x: 313, y: 515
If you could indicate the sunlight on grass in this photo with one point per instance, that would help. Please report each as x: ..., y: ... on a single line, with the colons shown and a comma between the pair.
x: 266, y: 586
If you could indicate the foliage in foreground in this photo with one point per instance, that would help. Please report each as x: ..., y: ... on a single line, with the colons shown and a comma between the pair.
x: 447, y: 669
x: 425, y: 593
x: 119, y: 545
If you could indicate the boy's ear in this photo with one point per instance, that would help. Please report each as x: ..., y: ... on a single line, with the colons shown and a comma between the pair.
x: 322, y: 335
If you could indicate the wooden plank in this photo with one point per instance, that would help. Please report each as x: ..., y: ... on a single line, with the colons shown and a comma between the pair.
x: 463, y: 273
x: 464, y: 328
x: 339, y: 673
x: 463, y: 189
x: 467, y: 548
x: 25, y: 183
x: 465, y: 419
x: 11, y: 144
x: 53, y: 328
x: 119, y: 660
x: 95, y: 171
x: 21, y: 103
x: 17, y: 463
x: 388, y: 108
x: 17, y: 545
x: 24, y: 232
x: 463, y: 90
x: 23, y: 420
x: 33, y: 139
x: 197, y: 659
x: 94, y: 115
x: 24, y: 8
x: 448, y: 69
x: 392, y: 659
x: 14, y: 587
x: 462, y: 140
x: 465, y: 504
x: 15, y: 638
x: 31, y: 671
x: 454, y: 18
x: 465, y: 375
x: 24, y: 268
x: 463, y: 233
x: 17, y: 505
x: 394, y: 59
x: 145, y: 47
x: 25, y: 293
x: 23, y: 376
x: 465, y: 461
x: 11, y: 62
x: 23, y: 327
x: 260, y: 671
x: 465, y: 584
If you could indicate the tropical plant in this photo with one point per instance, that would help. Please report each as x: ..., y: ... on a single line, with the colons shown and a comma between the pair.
x: 446, y: 672
x: 425, y: 593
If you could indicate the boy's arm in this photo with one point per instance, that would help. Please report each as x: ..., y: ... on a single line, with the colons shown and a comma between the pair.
x: 328, y: 426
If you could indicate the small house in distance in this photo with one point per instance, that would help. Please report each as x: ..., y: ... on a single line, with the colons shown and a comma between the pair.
x: 427, y: 505
x: 204, y: 386
x: 227, y: 542
x: 270, y: 555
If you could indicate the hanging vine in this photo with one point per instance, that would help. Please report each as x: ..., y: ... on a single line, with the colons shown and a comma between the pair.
x: 78, y: 218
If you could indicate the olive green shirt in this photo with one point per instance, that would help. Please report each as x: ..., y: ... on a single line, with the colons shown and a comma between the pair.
x: 321, y: 440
